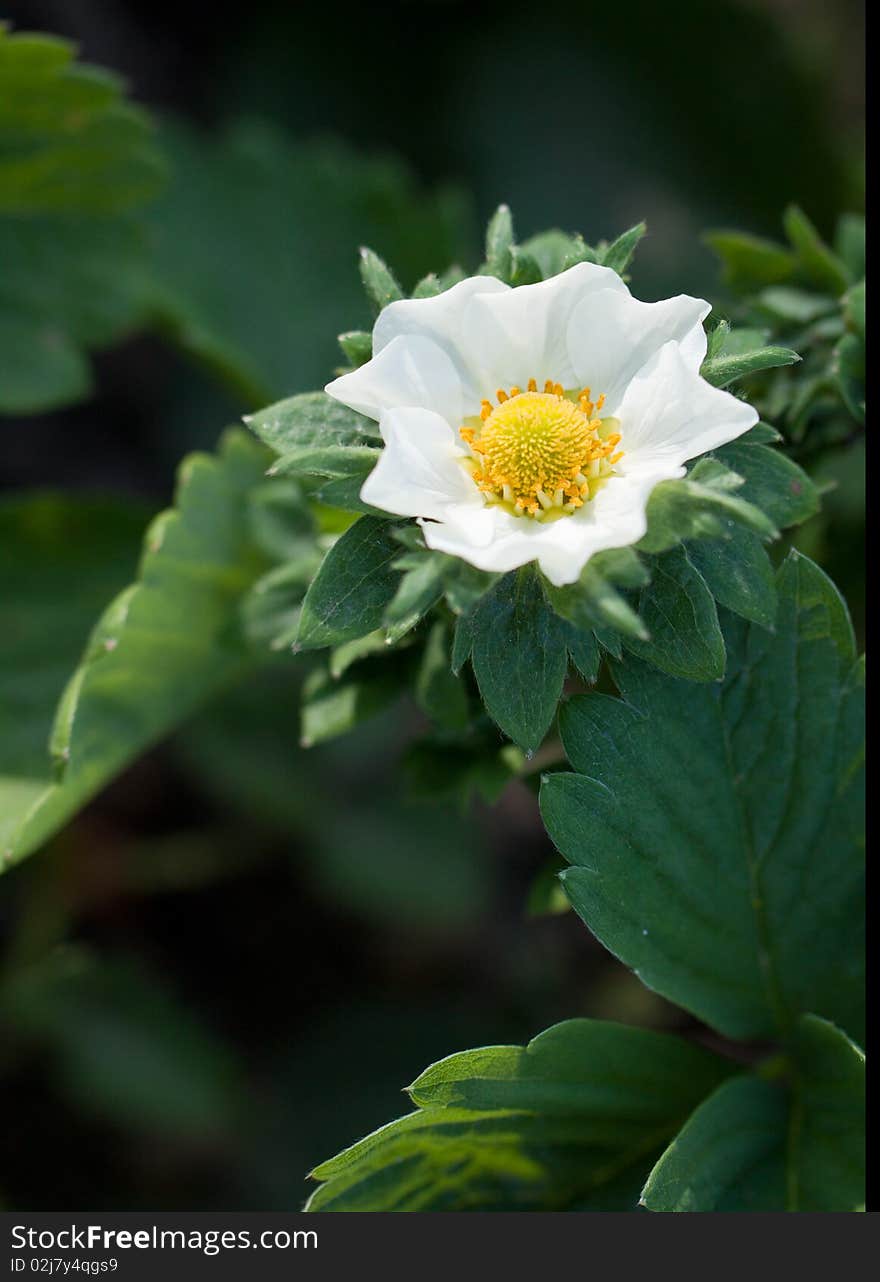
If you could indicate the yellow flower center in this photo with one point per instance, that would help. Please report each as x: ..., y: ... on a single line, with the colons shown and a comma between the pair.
x: 541, y: 454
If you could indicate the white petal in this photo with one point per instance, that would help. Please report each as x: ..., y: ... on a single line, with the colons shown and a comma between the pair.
x: 439, y: 318
x: 419, y: 472
x: 523, y: 334
x: 615, y: 518
x: 669, y: 413
x: 611, y: 335
x: 408, y: 371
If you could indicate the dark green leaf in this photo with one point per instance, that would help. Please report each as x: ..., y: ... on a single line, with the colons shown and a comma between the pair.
x: 568, y: 1122
x: 252, y: 274
x: 354, y: 586
x: 772, y: 483
x: 702, y: 504
x: 439, y: 692
x: 584, y: 651
x: 750, y: 788
x: 738, y: 573
x: 519, y: 657
x: 679, y: 613
x: 756, y: 1146
x: 729, y: 1155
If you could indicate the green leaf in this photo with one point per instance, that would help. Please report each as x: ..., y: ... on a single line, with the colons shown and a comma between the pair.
x: 619, y: 253
x: 849, y: 373
x: 555, y: 251
x: 421, y: 586
x: 357, y: 346
x: 826, y: 1139
x: 714, y: 829
x: 738, y: 573
x: 251, y: 271
x: 69, y: 143
x: 723, y: 370
x: 519, y: 657
x: 124, y: 1050
x: 678, y: 611
x: 702, y: 504
x: 159, y: 650
x: 378, y: 280
x: 332, y: 707
x: 352, y: 589
x: 854, y: 309
x: 819, y: 262
x: 849, y: 243
x: 439, y: 692
x: 76, y: 162
x: 771, y: 482
x: 728, y: 1156
x: 593, y: 602
x: 567, y: 1123
x: 312, y: 421
x: 755, y: 1146
x: 499, y: 244
x: 749, y: 261
x: 583, y: 649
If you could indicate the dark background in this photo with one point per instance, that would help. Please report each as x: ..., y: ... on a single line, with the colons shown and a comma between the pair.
x: 230, y: 972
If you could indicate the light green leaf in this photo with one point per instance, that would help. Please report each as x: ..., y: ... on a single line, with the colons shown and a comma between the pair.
x: 352, y: 589
x: 312, y: 421
x: 749, y: 261
x: 69, y: 143
x: 819, y: 262
x: 678, y: 611
x: 723, y: 370
x: 75, y: 163
x: 421, y: 585
x: 619, y: 253
x: 357, y: 346
x: 378, y: 280
x: 555, y: 251
x: 566, y: 1123
x: 499, y: 244
x: 519, y: 657
x: 332, y: 707
x: 714, y: 830
x: 160, y: 649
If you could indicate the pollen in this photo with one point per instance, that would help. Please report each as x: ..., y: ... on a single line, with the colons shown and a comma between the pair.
x: 541, y: 454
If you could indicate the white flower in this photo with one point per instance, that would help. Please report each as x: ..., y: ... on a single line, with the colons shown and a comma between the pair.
x: 532, y: 423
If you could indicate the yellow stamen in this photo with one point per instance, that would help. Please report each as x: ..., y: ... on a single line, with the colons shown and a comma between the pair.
x: 541, y: 454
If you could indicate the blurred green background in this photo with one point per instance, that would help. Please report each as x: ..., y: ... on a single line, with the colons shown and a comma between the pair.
x: 227, y: 967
